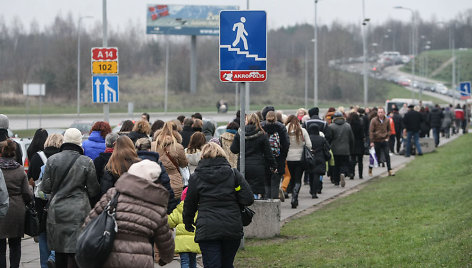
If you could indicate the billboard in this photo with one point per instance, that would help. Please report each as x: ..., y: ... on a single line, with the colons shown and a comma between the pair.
x: 184, y: 19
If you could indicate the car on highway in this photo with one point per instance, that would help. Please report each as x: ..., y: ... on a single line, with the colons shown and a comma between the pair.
x: 24, y: 144
x: 440, y: 88
x: 404, y: 81
x: 399, y: 103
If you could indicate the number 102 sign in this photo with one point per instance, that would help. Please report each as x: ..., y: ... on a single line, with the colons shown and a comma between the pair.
x: 104, y: 60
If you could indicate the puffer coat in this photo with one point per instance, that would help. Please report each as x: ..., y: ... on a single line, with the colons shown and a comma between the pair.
x: 70, y: 195
x: 184, y: 240
x: 177, y: 152
x: 12, y: 225
x: 94, y: 145
x: 141, y: 215
x: 211, y: 191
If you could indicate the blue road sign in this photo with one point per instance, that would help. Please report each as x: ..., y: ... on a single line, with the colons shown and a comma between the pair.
x: 243, y: 46
x: 465, y: 89
x: 105, y: 89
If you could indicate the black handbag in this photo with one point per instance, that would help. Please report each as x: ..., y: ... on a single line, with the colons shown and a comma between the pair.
x: 95, y: 242
x: 31, y: 220
x: 309, y: 160
x: 246, y: 213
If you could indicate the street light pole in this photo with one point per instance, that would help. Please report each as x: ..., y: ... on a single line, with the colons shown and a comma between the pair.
x: 106, y: 106
x: 78, y: 63
x: 364, y: 52
x: 315, y: 67
x: 412, y: 43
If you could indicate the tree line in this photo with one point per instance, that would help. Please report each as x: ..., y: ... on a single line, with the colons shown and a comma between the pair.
x: 49, y: 55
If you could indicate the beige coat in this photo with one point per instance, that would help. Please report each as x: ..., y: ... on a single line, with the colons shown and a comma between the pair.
x: 176, y: 151
x: 141, y: 215
x: 226, y: 141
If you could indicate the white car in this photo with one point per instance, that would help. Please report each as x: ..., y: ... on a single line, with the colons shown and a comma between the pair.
x: 24, y: 144
x: 440, y: 88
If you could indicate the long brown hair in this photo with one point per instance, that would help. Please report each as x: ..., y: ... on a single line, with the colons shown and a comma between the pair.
x: 166, y: 136
x: 197, y: 140
x: 123, y: 156
x: 294, y: 127
x: 253, y: 119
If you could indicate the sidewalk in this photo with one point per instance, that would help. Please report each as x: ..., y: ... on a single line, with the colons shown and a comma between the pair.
x: 30, y: 250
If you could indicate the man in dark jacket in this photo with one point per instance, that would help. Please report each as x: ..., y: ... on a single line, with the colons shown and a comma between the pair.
x: 397, y: 121
x: 315, y: 119
x: 187, y: 131
x: 341, y: 143
x: 412, y: 121
x: 435, y: 121
x: 4, y: 124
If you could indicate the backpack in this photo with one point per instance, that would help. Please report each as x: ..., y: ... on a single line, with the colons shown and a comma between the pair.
x: 4, y: 198
x: 274, y: 142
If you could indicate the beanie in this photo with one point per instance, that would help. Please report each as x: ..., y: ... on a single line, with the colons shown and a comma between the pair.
x: 266, y: 110
x: 73, y: 135
x: 184, y: 194
x: 313, y: 111
x: 146, y: 169
x: 4, y: 123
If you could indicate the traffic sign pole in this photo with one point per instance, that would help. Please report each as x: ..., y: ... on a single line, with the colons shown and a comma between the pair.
x: 106, y: 106
x: 242, y: 128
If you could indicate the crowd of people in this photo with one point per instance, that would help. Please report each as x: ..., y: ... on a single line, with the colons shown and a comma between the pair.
x: 71, y: 180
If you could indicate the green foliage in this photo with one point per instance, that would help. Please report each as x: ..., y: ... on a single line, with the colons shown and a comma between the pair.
x: 419, y: 218
x: 436, y: 58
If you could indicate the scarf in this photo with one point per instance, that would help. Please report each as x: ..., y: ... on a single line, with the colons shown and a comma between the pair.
x: 8, y: 163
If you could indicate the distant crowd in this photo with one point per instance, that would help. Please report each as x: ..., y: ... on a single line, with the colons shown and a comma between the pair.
x: 178, y: 187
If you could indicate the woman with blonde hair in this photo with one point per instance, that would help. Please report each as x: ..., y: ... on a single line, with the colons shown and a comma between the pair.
x: 172, y: 155
x: 141, y: 129
x: 174, y: 128
x: 194, y: 150
x: 216, y: 191
x: 123, y: 156
x: 298, y: 138
x: 258, y: 154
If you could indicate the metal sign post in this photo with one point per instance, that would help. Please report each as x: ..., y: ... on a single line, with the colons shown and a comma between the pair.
x: 243, y: 59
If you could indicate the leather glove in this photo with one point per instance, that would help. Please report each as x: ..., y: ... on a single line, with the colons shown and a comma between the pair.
x: 161, y: 262
x: 190, y: 228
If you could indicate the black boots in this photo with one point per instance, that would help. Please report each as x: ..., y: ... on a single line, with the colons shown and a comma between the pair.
x: 296, y: 190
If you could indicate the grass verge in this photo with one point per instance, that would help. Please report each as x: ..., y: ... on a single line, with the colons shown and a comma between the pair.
x: 419, y: 218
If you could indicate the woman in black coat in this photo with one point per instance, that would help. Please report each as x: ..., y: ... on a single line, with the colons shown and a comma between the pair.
x: 320, y: 147
x: 258, y: 154
x: 216, y: 191
x: 357, y: 153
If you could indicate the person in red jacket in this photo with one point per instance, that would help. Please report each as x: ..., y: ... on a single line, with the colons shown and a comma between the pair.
x: 459, y: 115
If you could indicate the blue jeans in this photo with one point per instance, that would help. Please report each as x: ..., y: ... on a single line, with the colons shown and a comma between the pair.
x: 44, y: 253
x: 416, y: 139
x: 219, y: 253
x: 188, y: 260
x: 436, y: 135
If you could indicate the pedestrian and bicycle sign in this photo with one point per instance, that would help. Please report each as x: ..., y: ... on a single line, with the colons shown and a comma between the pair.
x: 465, y: 90
x: 243, y: 46
x: 104, y: 67
x: 105, y: 89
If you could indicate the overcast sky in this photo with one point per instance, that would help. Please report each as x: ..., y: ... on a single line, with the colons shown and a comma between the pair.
x: 280, y: 13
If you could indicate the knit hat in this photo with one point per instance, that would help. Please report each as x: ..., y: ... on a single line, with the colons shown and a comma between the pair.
x: 313, y: 111
x: 73, y: 135
x: 184, y: 194
x: 266, y: 110
x: 4, y: 123
x: 146, y: 169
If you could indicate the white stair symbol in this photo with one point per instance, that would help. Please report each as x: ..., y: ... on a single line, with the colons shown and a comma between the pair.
x: 243, y: 52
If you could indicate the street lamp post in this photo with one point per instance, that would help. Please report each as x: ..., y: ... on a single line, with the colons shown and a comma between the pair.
x: 412, y: 43
x: 315, y: 67
x: 364, y: 48
x: 78, y: 63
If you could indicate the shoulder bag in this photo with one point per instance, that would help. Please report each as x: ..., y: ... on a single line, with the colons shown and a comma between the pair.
x: 184, y: 171
x: 246, y: 213
x: 95, y: 242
